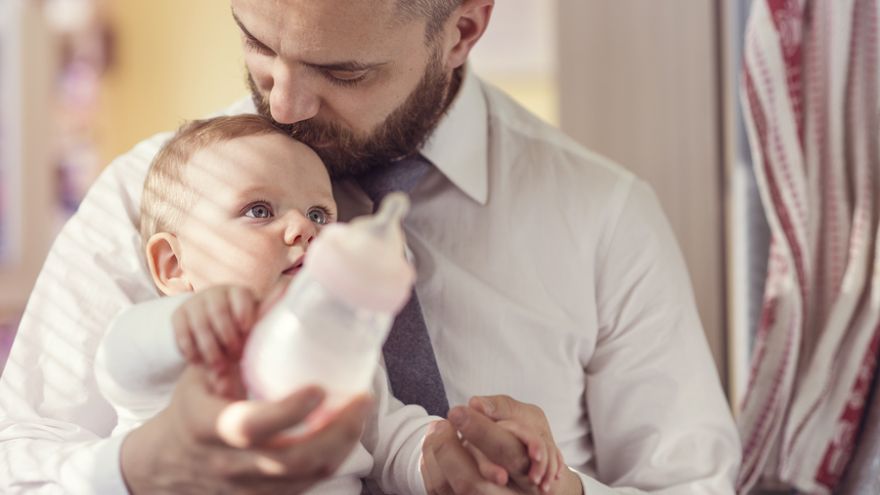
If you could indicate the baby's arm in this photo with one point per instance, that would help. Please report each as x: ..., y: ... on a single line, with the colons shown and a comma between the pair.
x: 137, y: 361
x: 148, y: 345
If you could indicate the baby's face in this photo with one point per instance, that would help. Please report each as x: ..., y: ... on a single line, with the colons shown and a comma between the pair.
x: 261, y: 201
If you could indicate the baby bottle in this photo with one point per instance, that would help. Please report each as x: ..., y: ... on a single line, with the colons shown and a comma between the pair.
x: 329, y: 327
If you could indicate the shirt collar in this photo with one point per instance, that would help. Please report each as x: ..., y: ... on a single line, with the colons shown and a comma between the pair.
x: 459, y: 146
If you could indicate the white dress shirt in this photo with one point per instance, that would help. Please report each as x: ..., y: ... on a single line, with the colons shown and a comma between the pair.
x: 546, y: 273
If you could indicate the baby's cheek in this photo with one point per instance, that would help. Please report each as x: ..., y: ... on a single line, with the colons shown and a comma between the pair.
x: 263, y: 282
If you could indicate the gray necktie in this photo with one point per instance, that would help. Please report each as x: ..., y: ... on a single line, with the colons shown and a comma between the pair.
x: 409, y: 356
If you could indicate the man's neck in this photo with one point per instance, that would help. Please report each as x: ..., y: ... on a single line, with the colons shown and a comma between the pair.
x: 454, y: 87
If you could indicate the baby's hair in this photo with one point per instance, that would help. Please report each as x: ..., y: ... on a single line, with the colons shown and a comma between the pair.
x: 166, y: 195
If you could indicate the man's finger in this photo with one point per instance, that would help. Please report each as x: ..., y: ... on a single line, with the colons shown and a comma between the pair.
x: 307, y: 457
x: 497, y: 407
x: 248, y: 423
x: 500, y: 446
x: 324, y: 446
x: 488, y: 469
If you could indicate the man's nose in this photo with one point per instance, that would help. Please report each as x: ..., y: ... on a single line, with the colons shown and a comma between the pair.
x: 291, y: 99
x: 299, y: 230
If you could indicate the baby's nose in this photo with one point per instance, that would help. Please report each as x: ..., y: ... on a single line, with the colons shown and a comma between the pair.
x: 299, y: 230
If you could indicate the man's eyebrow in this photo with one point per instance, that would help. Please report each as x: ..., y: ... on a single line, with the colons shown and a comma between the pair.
x: 347, y: 66
x: 243, y: 29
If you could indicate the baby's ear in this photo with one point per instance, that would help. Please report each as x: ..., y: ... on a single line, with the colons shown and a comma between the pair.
x: 163, y: 258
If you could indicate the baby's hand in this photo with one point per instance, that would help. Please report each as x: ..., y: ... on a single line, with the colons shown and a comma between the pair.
x: 530, y: 426
x: 211, y: 326
x: 547, y: 464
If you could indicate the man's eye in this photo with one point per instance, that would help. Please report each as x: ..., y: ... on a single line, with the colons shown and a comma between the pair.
x: 318, y: 216
x: 260, y: 210
x: 346, y: 77
x: 258, y: 47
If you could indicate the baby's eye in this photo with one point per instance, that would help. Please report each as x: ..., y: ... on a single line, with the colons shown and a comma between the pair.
x: 259, y: 210
x: 318, y: 216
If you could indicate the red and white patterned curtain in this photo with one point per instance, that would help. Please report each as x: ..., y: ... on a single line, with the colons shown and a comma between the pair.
x: 811, y: 101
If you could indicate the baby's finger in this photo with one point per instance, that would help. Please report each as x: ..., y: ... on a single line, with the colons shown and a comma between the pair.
x: 536, y: 447
x: 223, y: 325
x: 183, y: 336
x: 187, y: 346
x: 206, y: 342
x: 561, y: 465
x: 552, y: 468
x: 488, y: 469
x: 221, y: 383
x: 243, y: 304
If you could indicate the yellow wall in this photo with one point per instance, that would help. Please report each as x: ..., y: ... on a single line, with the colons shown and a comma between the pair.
x: 537, y: 92
x: 175, y: 60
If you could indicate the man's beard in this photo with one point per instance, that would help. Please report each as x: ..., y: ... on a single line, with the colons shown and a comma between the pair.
x: 402, y: 134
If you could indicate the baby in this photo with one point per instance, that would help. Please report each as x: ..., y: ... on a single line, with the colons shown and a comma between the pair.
x: 229, y: 209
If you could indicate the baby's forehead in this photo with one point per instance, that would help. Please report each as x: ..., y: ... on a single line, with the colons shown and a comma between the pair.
x: 231, y: 160
x: 270, y: 162
x: 245, y: 152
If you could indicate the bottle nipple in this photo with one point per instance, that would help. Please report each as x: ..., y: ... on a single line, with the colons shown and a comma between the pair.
x: 385, y: 223
x: 363, y: 262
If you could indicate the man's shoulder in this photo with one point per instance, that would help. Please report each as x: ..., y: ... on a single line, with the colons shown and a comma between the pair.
x: 517, y: 126
x: 531, y: 144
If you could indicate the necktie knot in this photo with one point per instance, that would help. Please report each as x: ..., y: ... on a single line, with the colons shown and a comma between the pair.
x: 401, y: 175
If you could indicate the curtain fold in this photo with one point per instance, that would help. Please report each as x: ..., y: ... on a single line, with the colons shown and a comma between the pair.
x: 811, y: 101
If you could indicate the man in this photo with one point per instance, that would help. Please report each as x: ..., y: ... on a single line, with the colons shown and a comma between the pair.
x: 548, y: 278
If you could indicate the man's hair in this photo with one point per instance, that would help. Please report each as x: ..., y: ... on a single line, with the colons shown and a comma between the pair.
x: 166, y: 195
x: 435, y: 11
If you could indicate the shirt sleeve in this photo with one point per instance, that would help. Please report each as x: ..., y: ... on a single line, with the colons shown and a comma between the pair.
x: 54, y: 425
x: 137, y: 363
x: 394, y: 437
x: 660, y: 422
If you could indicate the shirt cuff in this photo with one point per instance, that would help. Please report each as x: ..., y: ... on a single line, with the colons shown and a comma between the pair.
x: 593, y: 487
x: 417, y: 481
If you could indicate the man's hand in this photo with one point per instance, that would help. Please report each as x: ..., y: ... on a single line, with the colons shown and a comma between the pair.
x: 502, y: 440
x: 202, y: 443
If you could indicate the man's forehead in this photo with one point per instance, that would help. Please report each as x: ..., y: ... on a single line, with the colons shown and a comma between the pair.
x: 316, y: 21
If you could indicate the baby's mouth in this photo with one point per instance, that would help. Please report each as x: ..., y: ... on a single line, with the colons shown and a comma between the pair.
x: 294, y: 268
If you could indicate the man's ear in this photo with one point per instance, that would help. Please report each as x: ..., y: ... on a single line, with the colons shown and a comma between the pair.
x: 465, y: 27
x: 163, y: 258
